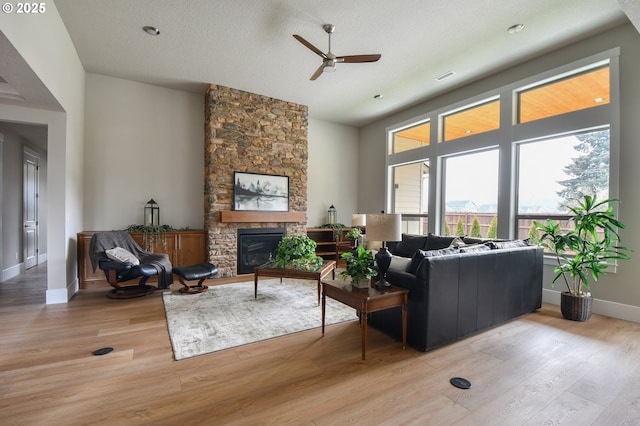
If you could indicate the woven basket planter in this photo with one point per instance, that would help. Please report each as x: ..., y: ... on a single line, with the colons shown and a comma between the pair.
x: 576, y: 308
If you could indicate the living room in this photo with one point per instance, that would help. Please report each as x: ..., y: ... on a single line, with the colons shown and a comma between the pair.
x: 101, y: 130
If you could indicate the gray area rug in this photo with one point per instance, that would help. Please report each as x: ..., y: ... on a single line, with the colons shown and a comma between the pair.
x: 227, y: 315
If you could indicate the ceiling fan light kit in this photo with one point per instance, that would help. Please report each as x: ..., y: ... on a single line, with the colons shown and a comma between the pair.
x: 329, y: 60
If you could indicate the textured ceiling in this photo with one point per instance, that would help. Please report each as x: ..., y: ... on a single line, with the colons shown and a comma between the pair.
x: 248, y: 45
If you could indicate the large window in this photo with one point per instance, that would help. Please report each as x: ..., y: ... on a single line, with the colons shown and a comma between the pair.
x: 511, y: 156
x: 554, y: 171
x: 411, y: 195
x: 471, y: 194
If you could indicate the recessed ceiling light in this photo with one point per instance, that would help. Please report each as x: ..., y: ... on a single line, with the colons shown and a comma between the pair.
x: 151, y: 30
x: 468, y: 131
x: 598, y: 100
x: 515, y: 28
x: 378, y: 96
x: 445, y: 76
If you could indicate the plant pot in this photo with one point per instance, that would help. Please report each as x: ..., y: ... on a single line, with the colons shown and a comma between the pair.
x: 363, y: 283
x: 576, y: 308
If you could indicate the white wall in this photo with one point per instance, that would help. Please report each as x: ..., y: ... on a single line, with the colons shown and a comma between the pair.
x: 44, y: 44
x: 142, y: 142
x: 617, y: 294
x: 333, y: 172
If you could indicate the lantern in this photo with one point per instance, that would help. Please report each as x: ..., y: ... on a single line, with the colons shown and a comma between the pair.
x: 332, y: 215
x: 151, y: 213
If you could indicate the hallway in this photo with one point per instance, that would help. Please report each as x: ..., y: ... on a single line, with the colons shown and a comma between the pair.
x: 25, y: 289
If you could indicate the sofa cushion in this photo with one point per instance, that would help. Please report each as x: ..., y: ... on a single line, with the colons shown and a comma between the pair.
x: 437, y: 242
x: 400, y: 264
x: 122, y: 255
x: 410, y: 244
x: 474, y: 247
x: 421, y: 254
x: 509, y: 244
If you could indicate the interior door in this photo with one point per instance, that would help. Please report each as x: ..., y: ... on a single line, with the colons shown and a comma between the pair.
x: 30, y: 210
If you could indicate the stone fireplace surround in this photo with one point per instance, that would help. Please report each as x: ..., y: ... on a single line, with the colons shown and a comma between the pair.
x: 246, y: 132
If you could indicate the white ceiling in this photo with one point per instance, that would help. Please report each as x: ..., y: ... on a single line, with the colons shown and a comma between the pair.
x: 248, y: 44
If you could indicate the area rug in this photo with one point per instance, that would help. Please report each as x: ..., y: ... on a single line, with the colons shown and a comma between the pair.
x: 227, y: 315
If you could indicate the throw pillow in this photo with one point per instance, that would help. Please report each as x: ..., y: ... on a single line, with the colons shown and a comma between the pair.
x: 457, y: 243
x: 421, y: 254
x: 410, y: 244
x: 437, y: 242
x: 122, y: 255
x: 474, y: 248
x: 509, y: 244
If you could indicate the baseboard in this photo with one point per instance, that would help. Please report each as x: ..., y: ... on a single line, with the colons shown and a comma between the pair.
x: 42, y: 258
x: 62, y: 295
x: 601, y: 307
x: 12, y: 271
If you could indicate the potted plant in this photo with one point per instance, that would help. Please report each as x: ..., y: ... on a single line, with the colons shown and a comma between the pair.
x: 583, y: 252
x: 298, y: 252
x: 359, y: 267
x: 353, y: 234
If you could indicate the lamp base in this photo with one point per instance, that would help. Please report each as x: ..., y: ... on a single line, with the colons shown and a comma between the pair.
x: 382, y: 284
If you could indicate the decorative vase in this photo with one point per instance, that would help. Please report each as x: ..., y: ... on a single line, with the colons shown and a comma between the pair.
x: 361, y: 283
x: 576, y: 308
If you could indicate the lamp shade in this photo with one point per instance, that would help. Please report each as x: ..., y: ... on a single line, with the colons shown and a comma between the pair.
x: 384, y: 227
x: 358, y: 220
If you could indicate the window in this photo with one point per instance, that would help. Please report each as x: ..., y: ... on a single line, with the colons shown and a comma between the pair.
x: 411, y: 195
x: 494, y: 177
x: 411, y: 138
x: 472, y: 121
x: 471, y: 193
x: 553, y: 171
x: 574, y: 93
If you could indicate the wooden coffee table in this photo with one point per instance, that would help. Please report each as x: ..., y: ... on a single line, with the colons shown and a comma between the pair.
x: 365, y: 301
x: 328, y: 266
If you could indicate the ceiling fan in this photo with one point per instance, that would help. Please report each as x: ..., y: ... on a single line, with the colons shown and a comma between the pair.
x: 329, y: 60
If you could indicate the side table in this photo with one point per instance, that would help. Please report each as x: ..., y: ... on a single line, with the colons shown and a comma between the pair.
x: 364, y: 301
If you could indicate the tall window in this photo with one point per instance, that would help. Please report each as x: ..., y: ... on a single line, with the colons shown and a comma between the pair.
x: 471, y: 194
x: 411, y: 195
x: 554, y: 171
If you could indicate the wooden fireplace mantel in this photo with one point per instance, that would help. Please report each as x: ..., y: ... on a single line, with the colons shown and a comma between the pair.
x: 230, y: 216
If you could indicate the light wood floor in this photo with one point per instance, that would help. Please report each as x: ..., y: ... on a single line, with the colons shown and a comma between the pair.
x: 538, y: 370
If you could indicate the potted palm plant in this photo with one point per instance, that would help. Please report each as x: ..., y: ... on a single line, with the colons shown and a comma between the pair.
x: 359, y: 267
x: 584, y: 252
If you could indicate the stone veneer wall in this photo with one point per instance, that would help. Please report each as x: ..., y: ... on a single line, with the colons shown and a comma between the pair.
x: 246, y: 132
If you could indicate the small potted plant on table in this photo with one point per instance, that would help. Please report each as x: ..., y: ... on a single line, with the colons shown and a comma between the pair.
x: 359, y: 267
x: 583, y: 252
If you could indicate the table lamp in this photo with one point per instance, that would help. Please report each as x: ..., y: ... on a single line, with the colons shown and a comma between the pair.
x: 384, y: 227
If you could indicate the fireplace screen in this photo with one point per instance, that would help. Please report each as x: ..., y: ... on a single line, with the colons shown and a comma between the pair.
x: 255, y: 246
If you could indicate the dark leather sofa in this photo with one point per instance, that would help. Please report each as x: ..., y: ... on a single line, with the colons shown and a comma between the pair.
x: 453, y: 295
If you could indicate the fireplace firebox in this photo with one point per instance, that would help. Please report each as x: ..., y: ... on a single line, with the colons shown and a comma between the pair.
x: 255, y: 246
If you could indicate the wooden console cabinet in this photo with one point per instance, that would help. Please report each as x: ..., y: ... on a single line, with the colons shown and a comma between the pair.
x: 330, y: 243
x: 183, y: 247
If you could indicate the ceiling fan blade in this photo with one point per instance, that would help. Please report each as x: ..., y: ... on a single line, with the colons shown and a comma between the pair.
x: 358, y: 58
x: 310, y: 46
x: 318, y: 72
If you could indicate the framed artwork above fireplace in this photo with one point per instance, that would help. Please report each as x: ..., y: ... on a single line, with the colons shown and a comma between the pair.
x: 260, y: 192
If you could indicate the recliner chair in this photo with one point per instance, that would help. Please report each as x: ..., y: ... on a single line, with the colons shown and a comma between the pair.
x: 122, y: 260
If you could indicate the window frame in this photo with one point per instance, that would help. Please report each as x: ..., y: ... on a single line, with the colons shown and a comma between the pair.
x: 508, y: 136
